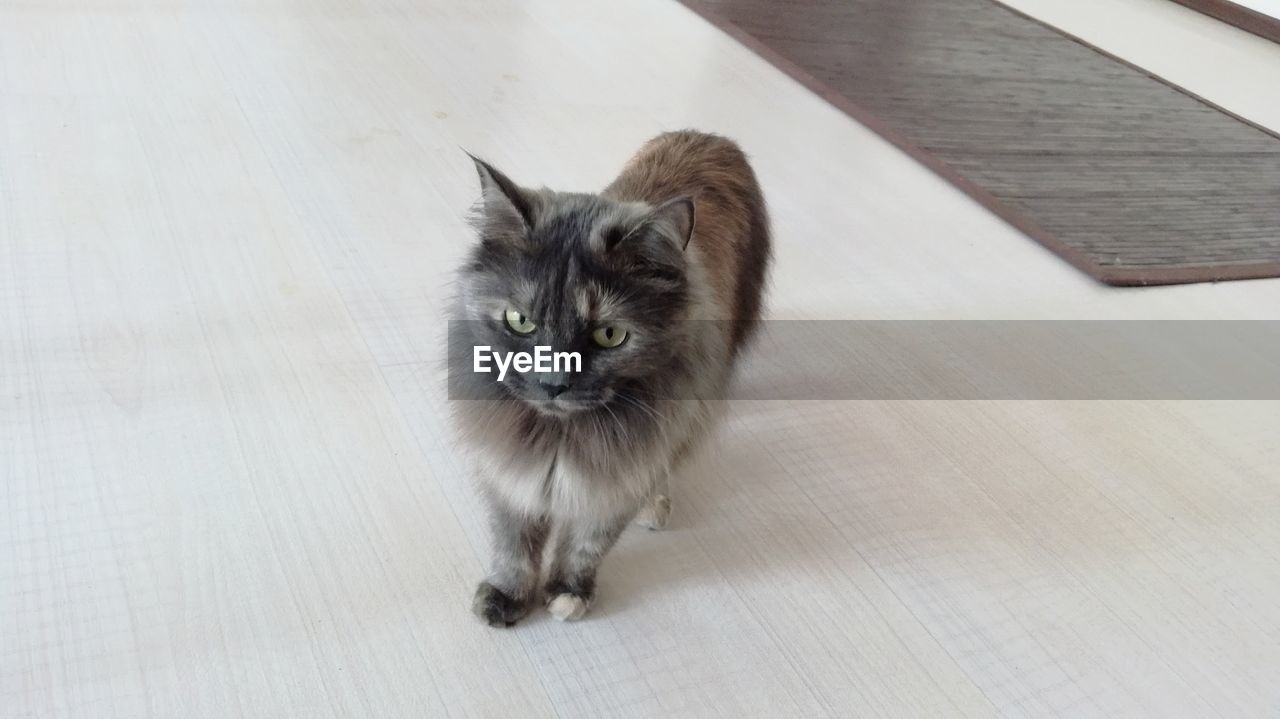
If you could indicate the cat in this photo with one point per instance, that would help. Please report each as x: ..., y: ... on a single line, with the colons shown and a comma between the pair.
x: 656, y: 283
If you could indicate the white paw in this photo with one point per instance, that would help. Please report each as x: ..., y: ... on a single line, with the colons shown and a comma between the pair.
x: 655, y: 513
x: 567, y: 607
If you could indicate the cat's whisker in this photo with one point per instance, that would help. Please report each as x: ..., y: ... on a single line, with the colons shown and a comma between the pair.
x: 652, y: 414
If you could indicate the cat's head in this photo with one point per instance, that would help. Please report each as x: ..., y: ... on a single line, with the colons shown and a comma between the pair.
x: 578, y: 273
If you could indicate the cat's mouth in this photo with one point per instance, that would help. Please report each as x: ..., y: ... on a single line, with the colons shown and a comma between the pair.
x: 567, y: 406
x: 560, y: 408
x: 554, y: 407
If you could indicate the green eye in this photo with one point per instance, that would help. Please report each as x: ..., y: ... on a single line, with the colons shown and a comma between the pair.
x: 519, y: 323
x: 609, y: 337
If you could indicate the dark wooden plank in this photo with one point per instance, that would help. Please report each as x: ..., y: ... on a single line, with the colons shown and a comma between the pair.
x: 1246, y: 19
x: 1124, y: 175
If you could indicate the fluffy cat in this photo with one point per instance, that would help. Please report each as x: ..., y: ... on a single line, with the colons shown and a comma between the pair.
x: 656, y: 283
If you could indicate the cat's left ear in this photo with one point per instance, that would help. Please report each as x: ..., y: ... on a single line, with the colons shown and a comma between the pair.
x: 672, y: 220
x: 676, y: 218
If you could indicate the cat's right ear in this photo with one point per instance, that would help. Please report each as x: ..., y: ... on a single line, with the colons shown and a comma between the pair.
x: 504, y: 206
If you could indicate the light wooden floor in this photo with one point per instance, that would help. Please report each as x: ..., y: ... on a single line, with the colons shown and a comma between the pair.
x: 225, y: 233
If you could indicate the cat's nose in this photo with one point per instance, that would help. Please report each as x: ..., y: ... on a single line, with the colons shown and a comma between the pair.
x: 554, y: 390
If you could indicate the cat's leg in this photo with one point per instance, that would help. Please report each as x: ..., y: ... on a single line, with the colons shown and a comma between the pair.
x: 656, y: 509
x: 511, y: 588
x: 580, y: 546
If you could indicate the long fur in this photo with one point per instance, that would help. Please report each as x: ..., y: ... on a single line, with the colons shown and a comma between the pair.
x: 676, y: 250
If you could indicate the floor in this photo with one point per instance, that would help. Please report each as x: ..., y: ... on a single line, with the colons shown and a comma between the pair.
x: 226, y: 231
x: 1267, y: 7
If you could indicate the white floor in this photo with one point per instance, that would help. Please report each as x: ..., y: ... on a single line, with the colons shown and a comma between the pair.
x: 1266, y: 7
x: 1217, y: 61
x: 225, y: 232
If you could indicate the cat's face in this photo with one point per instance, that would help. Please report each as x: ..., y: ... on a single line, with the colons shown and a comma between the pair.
x: 581, y: 274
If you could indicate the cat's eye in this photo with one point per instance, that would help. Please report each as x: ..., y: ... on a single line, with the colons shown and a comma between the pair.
x: 609, y: 337
x: 519, y: 323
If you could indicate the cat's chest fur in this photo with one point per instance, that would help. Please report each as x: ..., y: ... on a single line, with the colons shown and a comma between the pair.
x: 563, y: 477
x: 568, y: 470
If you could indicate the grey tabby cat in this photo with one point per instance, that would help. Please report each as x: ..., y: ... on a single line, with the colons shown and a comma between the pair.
x: 656, y: 283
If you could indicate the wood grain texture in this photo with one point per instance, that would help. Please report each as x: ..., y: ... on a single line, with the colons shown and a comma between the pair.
x: 226, y: 232
x: 1125, y: 176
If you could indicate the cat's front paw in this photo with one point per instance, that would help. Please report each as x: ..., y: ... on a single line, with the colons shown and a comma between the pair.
x: 568, y: 607
x: 497, y: 608
x: 569, y: 602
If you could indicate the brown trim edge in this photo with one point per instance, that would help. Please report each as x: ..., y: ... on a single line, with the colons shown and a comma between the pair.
x: 1247, y: 19
x: 1117, y: 276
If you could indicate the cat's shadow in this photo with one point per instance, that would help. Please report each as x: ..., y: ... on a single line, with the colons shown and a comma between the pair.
x: 739, y: 514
